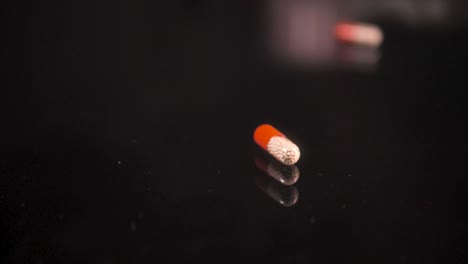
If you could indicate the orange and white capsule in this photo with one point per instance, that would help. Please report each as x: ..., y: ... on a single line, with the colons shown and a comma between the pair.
x: 359, y: 33
x: 275, y: 143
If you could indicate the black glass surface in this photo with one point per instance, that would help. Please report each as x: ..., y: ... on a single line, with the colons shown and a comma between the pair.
x: 128, y: 139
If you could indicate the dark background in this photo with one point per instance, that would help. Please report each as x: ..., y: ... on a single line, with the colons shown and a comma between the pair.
x: 128, y: 139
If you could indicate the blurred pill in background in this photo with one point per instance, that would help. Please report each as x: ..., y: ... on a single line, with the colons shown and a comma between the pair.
x: 309, y: 35
x: 359, y: 33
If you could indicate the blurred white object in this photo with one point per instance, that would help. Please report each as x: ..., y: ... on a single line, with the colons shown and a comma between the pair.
x: 301, y: 31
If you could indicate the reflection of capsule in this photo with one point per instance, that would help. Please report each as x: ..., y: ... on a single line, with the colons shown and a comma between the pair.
x: 285, y: 195
x: 359, y: 33
x: 287, y: 175
x: 275, y: 143
x: 357, y: 57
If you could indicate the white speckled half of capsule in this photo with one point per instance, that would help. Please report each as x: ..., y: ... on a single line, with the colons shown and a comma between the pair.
x: 368, y: 35
x: 284, y: 150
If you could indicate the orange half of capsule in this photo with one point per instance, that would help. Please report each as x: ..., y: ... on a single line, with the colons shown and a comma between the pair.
x: 264, y: 133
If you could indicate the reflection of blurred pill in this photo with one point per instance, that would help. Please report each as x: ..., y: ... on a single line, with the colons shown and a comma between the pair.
x: 359, y: 33
x: 275, y: 143
x: 354, y: 55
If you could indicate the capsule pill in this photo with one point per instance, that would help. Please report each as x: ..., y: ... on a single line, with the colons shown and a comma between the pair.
x: 359, y: 33
x: 276, y: 144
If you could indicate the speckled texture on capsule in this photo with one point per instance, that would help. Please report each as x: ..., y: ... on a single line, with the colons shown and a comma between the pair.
x: 283, y: 150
